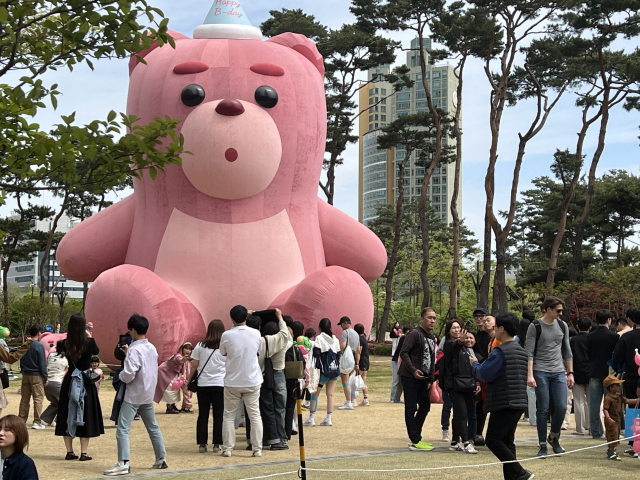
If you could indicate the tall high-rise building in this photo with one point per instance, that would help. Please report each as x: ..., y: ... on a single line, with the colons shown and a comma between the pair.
x: 377, y: 178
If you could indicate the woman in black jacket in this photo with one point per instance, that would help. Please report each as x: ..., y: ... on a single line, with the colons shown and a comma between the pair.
x: 459, y: 383
x: 14, y: 437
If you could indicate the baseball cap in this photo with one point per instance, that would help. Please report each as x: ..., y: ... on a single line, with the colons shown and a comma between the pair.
x: 344, y: 320
x: 482, y: 310
x: 611, y: 380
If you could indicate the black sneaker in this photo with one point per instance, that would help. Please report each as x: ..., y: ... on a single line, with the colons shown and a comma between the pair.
x: 555, y: 444
x: 479, y: 442
x: 280, y: 446
x: 71, y: 456
x: 527, y: 475
x: 85, y: 458
x: 542, y: 452
x: 629, y: 451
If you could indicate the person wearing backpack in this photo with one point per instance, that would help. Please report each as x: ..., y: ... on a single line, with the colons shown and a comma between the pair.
x: 350, y: 339
x: 325, y: 354
x: 417, y: 371
x: 549, y: 354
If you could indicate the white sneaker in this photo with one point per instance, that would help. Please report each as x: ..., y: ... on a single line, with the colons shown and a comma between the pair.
x: 38, y: 426
x: 118, y: 469
x: 326, y: 423
x: 160, y: 464
x: 446, y: 437
x: 216, y: 449
x: 309, y: 422
x: 365, y: 403
x: 257, y: 453
x: 457, y: 447
x: 469, y: 448
x: 346, y: 406
x: 226, y: 453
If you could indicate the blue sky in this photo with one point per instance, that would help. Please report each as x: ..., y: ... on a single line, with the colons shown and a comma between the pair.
x: 93, y: 93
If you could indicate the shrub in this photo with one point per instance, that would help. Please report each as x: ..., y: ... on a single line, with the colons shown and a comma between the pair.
x: 382, y: 350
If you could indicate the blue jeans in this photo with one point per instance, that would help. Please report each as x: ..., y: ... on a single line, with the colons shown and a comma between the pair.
x: 396, y: 384
x: 551, y: 388
x: 596, y: 394
x: 127, y: 412
x: 280, y: 403
x: 445, y: 416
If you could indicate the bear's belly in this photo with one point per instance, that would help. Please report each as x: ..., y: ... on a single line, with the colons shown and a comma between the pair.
x: 217, y: 266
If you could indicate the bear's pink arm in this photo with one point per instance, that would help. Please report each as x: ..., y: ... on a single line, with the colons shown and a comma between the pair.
x: 98, y: 243
x: 349, y: 244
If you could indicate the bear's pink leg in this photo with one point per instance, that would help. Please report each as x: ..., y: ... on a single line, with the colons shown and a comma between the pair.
x: 127, y: 289
x: 331, y: 292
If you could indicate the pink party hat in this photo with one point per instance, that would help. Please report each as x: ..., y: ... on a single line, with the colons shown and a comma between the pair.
x: 227, y: 19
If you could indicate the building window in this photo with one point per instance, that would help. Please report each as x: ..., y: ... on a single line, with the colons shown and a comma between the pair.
x: 422, y: 104
x: 436, y: 208
x: 383, y: 117
x: 436, y: 84
x: 444, y: 74
x: 436, y: 102
x: 403, y: 105
x: 383, y: 109
x: 401, y: 154
x: 421, y: 94
x: 436, y: 74
x: 403, y: 96
x: 383, y: 101
x: 26, y: 279
x: 383, y: 91
x: 437, y: 93
x: 24, y: 268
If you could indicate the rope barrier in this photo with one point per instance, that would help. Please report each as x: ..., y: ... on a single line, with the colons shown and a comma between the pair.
x: 272, y: 475
x: 453, y: 467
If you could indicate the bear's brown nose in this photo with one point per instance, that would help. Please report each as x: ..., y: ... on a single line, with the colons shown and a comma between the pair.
x: 230, y: 108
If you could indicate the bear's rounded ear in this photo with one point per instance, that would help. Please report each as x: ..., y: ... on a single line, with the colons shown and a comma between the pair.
x: 303, y: 46
x: 135, y: 59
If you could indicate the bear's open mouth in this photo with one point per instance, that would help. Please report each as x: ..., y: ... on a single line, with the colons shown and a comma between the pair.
x: 231, y: 154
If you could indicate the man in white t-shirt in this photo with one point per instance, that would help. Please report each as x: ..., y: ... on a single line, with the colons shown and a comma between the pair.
x: 242, y: 380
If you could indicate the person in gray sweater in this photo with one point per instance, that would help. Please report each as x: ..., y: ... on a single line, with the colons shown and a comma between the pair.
x: 549, y: 355
x: 34, y: 378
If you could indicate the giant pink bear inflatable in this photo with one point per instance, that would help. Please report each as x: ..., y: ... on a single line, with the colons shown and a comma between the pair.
x: 240, y: 222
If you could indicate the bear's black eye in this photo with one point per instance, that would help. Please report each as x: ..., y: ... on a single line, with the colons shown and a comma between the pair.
x: 266, y: 96
x: 192, y: 95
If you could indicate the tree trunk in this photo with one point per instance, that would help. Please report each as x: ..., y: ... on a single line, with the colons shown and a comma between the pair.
x: 393, y: 258
x: 500, y: 302
x: 47, y: 250
x: 5, y: 295
x: 453, y: 286
x: 483, y: 298
x: 575, y: 271
x: 591, y: 183
x: 428, y: 173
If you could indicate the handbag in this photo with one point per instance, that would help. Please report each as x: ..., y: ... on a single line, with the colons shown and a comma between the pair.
x: 347, y: 362
x: 268, y: 375
x: 294, y: 369
x: 193, y: 384
x: 4, y: 377
x: 90, y: 376
x: 629, y: 419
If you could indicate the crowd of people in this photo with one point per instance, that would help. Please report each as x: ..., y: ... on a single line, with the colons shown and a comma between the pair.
x: 534, y: 369
x: 251, y: 375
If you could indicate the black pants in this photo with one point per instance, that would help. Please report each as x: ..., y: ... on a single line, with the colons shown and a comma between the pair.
x: 268, y: 414
x: 210, y: 397
x: 629, y: 389
x: 481, y: 417
x: 293, y: 391
x: 461, y: 402
x: 500, y: 440
x: 417, y: 404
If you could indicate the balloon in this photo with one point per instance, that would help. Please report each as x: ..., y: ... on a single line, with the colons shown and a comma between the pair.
x: 177, y: 383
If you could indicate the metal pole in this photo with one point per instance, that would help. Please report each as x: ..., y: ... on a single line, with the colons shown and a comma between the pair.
x: 303, y: 460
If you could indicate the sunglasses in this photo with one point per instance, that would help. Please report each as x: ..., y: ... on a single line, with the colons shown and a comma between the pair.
x: 559, y: 310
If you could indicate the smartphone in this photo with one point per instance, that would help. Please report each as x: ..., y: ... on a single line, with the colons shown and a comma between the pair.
x: 267, y: 316
x: 124, y: 340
